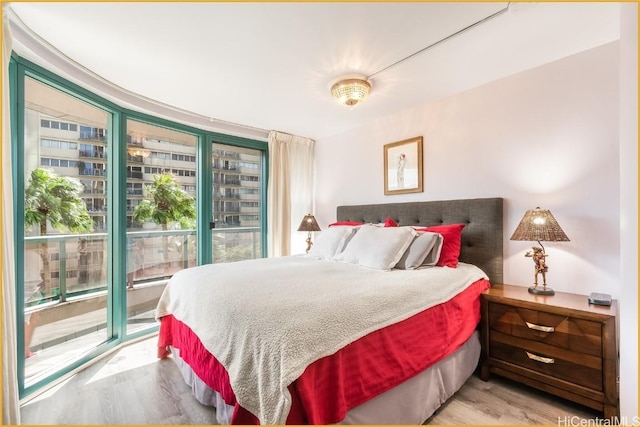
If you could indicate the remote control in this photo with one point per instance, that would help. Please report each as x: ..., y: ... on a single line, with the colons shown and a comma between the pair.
x: 599, y: 299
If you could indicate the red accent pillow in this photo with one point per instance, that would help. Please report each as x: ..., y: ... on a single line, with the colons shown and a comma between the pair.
x: 350, y: 223
x: 451, y: 243
x: 388, y: 222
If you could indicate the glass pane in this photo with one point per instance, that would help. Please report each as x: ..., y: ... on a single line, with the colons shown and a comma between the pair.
x: 161, y: 208
x: 237, y: 186
x: 65, y: 261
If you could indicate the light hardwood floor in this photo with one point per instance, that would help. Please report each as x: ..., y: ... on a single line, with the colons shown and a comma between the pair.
x: 131, y: 386
x: 505, y: 402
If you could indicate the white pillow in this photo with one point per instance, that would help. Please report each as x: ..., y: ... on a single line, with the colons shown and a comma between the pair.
x: 379, y: 248
x: 331, y: 241
x: 424, y: 250
x: 434, y: 254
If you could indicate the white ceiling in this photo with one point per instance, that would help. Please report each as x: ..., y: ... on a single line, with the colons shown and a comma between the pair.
x: 271, y: 65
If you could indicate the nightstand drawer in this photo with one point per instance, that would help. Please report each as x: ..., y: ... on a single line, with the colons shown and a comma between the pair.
x: 578, y: 335
x: 559, y: 343
x: 580, y: 369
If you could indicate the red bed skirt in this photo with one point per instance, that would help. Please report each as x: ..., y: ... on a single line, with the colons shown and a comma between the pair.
x: 362, y: 370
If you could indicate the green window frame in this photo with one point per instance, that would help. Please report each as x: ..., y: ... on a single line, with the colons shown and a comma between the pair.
x: 19, y: 69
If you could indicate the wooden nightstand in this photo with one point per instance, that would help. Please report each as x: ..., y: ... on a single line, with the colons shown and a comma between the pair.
x: 559, y: 344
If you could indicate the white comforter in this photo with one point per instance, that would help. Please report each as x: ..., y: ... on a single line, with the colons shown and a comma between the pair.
x: 266, y: 320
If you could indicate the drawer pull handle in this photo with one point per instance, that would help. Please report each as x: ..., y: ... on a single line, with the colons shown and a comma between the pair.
x: 537, y: 358
x: 539, y: 328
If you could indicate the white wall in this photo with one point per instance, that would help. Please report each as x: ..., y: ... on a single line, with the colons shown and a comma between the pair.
x: 546, y: 137
x: 629, y: 210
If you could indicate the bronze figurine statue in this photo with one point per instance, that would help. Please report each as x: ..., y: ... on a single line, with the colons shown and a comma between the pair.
x: 541, y: 267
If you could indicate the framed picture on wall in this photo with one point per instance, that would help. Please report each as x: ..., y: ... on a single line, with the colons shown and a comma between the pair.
x: 403, y: 166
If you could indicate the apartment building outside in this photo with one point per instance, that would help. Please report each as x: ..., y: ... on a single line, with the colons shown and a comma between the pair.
x: 78, y: 150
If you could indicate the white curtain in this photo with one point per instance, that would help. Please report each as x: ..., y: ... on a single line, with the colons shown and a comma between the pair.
x: 10, y: 399
x: 290, y: 191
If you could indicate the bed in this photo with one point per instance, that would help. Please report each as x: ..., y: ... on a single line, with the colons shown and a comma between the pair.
x: 308, y: 340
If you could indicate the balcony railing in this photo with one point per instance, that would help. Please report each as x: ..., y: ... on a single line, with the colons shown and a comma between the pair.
x: 92, y: 172
x: 91, y: 154
x: 72, y: 309
x: 134, y: 174
x: 92, y: 136
x: 135, y: 159
x: 217, y: 195
x: 78, y: 262
x: 131, y: 141
x: 226, y: 154
x: 226, y: 181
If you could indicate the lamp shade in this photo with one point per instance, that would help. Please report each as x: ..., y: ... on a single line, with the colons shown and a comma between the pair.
x: 309, y: 223
x: 539, y: 225
x: 350, y: 92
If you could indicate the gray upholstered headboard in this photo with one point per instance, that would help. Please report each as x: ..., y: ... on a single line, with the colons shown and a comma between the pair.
x: 481, y: 237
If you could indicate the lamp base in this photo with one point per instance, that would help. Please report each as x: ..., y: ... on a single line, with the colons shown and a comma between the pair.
x: 544, y: 291
x: 309, y: 243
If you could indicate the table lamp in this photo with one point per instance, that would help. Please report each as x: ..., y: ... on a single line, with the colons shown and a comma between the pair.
x: 309, y: 224
x: 539, y: 225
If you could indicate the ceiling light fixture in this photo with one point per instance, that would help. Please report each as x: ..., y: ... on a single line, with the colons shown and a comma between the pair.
x: 138, y: 152
x: 351, y: 91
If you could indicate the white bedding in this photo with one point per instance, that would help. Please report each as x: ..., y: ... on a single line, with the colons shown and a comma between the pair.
x: 266, y: 320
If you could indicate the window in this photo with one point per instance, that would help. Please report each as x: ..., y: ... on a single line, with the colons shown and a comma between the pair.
x: 155, y: 171
x: 134, y: 172
x: 248, y: 165
x: 183, y: 158
x: 160, y: 156
x: 237, y: 236
x: 249, y: 191
x: 77, y: 263
x: 87, y: 132
x: 53, y: 124
x: 182, y: 172
x: 152, y: 255
x: 134, y: 189
x: 53, y: 158
x: 56, y: 143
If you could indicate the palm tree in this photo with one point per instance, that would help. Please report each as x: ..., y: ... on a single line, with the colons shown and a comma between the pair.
x: 166, y: 202
x: 54, y: 199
